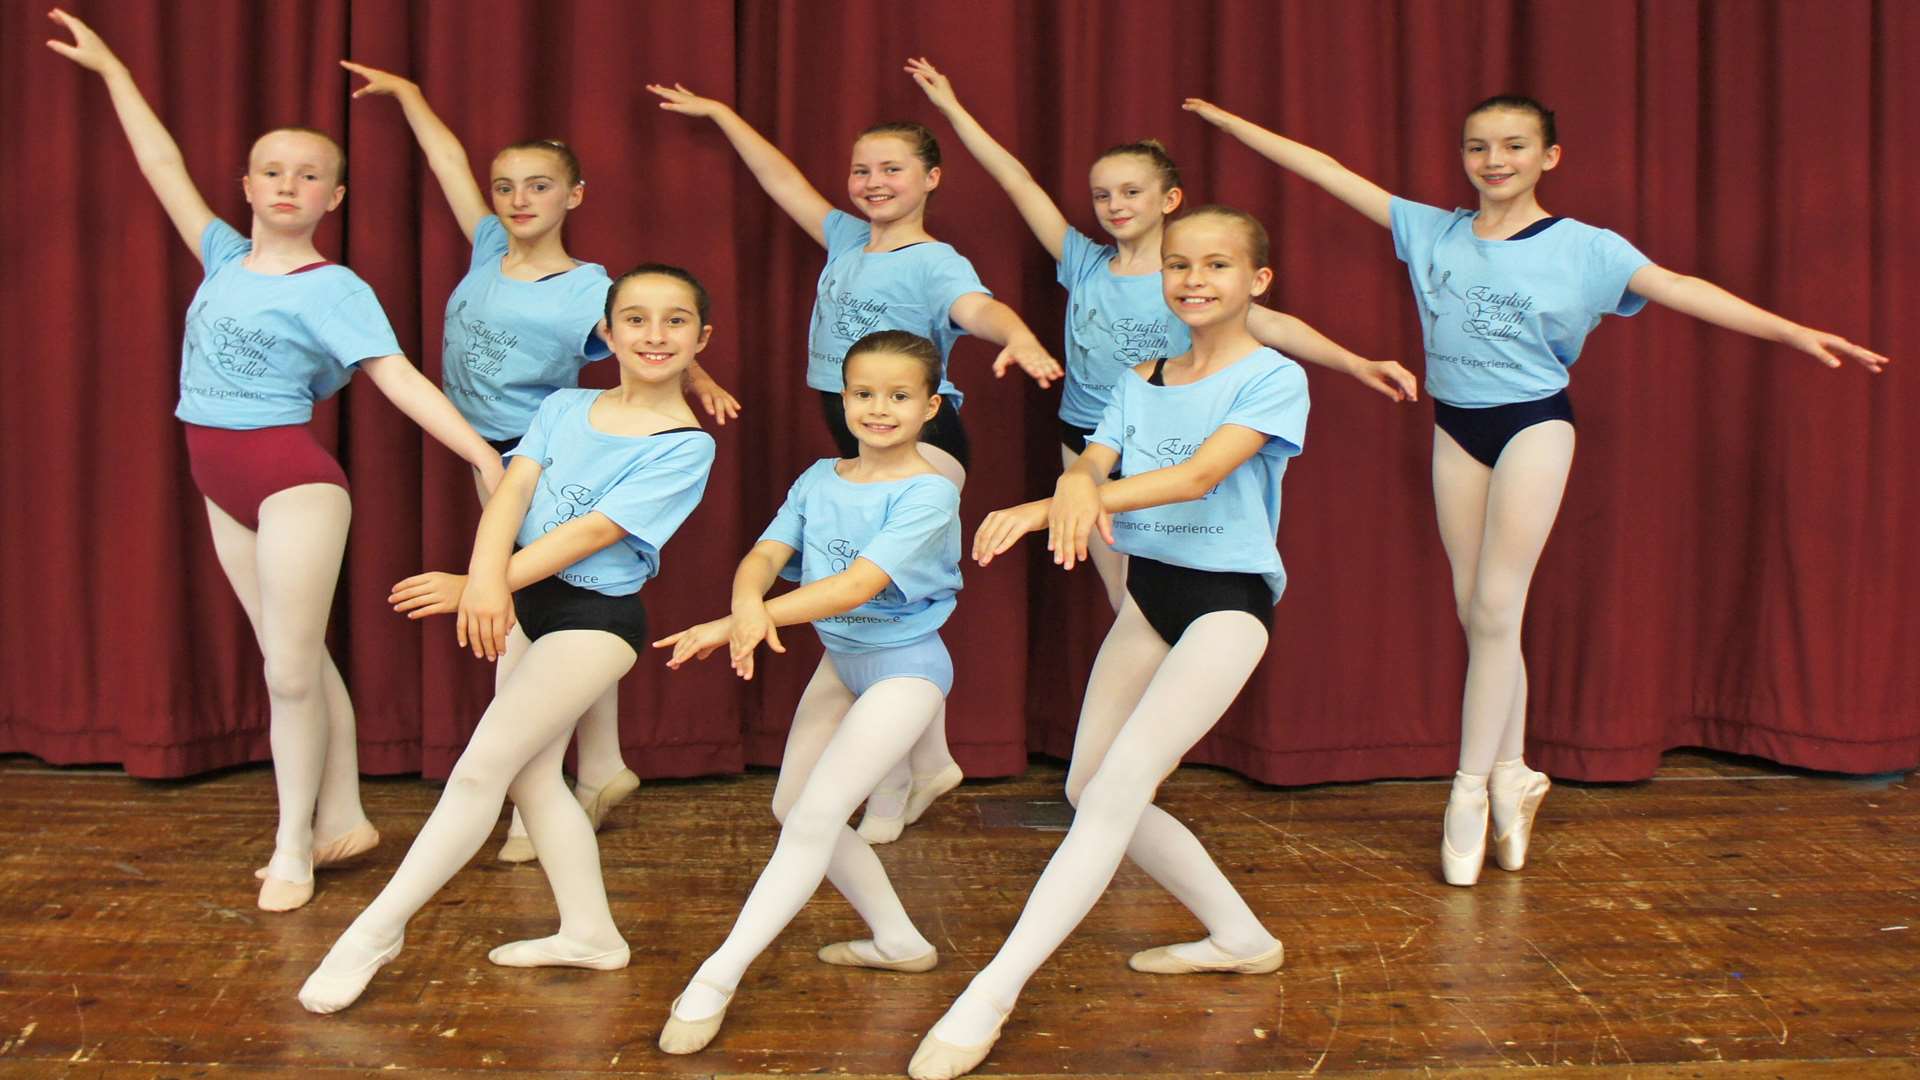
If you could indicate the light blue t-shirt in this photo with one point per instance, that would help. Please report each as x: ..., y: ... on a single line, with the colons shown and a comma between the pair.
x: 647, y: 485
x: 1234, y: 527
x: 1503, y: 319
x: 861, y: 291
x: 1114, y: 321
x: 510, y: 343
x: 260, y: 349
x: 909, y: 528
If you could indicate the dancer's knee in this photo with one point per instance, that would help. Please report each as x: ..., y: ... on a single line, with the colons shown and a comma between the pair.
x: 812, y: 824
x: 1120, y: 789
x: 292, y: 677
x: 1493, y: 616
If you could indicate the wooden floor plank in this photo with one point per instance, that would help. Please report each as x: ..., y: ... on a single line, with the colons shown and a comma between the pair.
x: 1727, y: 919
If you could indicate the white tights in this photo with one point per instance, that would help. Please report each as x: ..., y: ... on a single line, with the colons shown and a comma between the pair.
x: 515, y: 752
x: 837, y: 750
x: 597, y: 736
x: 930, y: 755
x: 1146, y: 706
x: 284, y: 575
x: 1494, y: 524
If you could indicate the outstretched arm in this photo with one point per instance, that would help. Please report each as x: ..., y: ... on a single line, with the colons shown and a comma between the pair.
x: 445, y: 156
x: 424, y: 404
x: 1303, y: 161
x: 1706, y: 301
x: 1285, y: 333
x: 989, y: 319
x: 1084, y: 499
x: 778, y: 176
x: 756, y: 619
x: 155, y: 151
x: 1049, y: 225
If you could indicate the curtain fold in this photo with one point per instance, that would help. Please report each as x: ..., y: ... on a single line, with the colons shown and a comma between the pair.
x: 1725, y: 571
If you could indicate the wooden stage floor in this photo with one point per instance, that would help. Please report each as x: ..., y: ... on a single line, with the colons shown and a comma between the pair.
x: 1726, y: 919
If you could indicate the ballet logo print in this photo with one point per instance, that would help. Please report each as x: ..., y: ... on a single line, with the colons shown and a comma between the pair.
x: 572, y: 501
x: 840, y: 555
x: 482, y: 348
x: 234, y: 347
x: 1493, y: 315
x: 854, y: 316
x: 1172, y: 451
x: 1135, y: 341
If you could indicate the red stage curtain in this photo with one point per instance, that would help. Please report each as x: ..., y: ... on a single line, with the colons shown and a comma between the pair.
x: 1725, y: 571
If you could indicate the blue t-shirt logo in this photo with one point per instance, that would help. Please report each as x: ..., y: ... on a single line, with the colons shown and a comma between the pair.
x: 574, y: 500
x: 841, y: 555
x: 238, y: 349
x: 1495, y: 316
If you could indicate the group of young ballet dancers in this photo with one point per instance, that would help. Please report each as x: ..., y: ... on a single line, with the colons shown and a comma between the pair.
x: 1179, y: 413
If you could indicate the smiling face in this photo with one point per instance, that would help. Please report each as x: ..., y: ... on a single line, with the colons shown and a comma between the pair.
x: 654, y: 327
x: 887, y: 180
x: 293, y: 180
x: 1505, y: 152
x: 1129, y: 196
x: 888, y: 398
x: 532, y: 191
x: 1209, y: 270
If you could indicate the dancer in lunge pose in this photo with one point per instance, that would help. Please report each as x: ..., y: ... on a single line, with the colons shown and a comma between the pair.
x: 594, y: 490
x: 1202, y: 441
x: 874, y: 541
x: 520, y: 325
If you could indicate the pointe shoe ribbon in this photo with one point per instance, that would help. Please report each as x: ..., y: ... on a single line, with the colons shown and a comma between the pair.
x: 1164, y: 961
x: 679, y: 1036
x: 937, y: 1059
x: 842, y: 953
x: 324, y: 993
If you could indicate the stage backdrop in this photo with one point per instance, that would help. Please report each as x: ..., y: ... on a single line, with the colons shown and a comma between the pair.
x: 1726, y: 570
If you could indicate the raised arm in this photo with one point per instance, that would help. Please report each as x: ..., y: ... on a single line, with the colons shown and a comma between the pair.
x: 778, y: 176
x: 1049, y: 225
x: 1285, y: 333
x: 1303, y: 161
x: 155, y: 151
x: 1708, y: 302
x: 989, y: 319
x: 445, y: 156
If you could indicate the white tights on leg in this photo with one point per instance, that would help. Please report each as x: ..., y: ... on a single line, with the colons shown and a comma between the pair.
x: 515, y: 751
x: 284, y: 575
x: 836, y: 753
x: 1139, y: 720
x: 1494, y: 524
